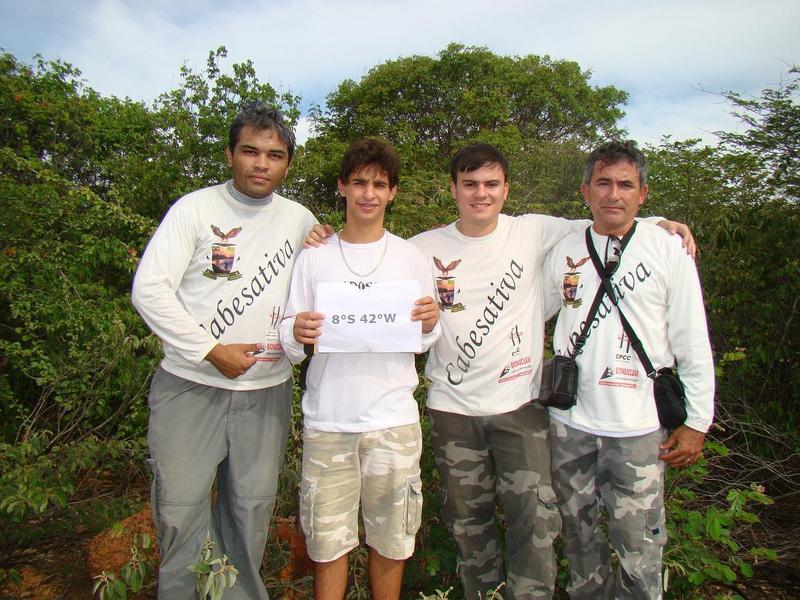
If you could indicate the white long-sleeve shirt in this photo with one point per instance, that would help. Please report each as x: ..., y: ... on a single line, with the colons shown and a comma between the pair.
x: 660, y: 295
x: 217, y: 270
x: 488, y: 359
x: 354, y: 392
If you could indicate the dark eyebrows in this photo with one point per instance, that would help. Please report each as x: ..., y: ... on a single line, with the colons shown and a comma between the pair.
x: 382, y: 180
x: 486, y: 181
x: 606, y: 179
x: 249, y: 147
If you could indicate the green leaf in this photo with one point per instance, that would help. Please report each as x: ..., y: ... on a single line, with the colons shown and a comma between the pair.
x: 434, y: 565
x: 120, y: 590
x: 748, y: 517
x: 209, y: 584
x: 136, y: 580
x: 728, y: 574
x: 697, y: 578
x: 713, y: 524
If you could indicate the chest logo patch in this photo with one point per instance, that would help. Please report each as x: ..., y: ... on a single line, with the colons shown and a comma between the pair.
x: 223, y: 255
x: 446, y: 286
x: 570, y: 283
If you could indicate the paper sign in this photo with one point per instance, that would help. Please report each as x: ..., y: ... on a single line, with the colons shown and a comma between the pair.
x: 373, y: 319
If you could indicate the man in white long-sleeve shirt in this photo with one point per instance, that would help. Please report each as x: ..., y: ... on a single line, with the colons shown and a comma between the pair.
x: 610, y: 448
x: 212, y: 285
x: 362, y: 438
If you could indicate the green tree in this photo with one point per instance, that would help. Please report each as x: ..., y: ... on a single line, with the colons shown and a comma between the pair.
x: 741, y: 201
x: 772, y: 134
x: 71, y: 343
x: 48, y: 113
x: 192, y: 130
x: 428, y: 107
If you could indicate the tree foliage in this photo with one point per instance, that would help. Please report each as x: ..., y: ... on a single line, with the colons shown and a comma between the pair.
x: 772, y: 134
x: 430, y: 106
x: 740, y: 199
x: 84, y: 178
x: 192, y: 129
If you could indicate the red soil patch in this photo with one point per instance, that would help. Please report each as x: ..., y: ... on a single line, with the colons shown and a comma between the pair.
x: 32, y: 585
x: 111, y: 549
x: 300, y: 564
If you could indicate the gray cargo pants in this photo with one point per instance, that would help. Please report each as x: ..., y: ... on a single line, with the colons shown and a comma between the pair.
x: 625, y: 476
x: 198, y: 433
x: 505, y: 456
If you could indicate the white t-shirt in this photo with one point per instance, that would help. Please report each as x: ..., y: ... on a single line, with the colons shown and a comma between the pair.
x: 488, y: 359
x: 660, y: 295
x: 355, y: 392
x: 217, y: 270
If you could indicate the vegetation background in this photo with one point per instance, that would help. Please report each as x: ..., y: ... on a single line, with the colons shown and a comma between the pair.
x: 85, y: 178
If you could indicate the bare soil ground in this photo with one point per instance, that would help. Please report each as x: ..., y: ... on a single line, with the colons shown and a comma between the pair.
x: 61, y: 566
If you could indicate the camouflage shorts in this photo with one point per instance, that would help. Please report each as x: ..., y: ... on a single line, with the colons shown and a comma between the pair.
x: 378, y: 470
x: 625, y: 476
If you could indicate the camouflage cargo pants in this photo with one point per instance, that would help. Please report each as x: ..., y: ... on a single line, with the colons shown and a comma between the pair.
x: 625, y: 476
x: 506, y: 456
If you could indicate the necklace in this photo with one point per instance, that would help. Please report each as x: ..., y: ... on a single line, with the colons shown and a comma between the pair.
x: 353, y: 271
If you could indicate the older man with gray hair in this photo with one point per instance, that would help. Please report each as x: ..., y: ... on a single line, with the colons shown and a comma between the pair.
x: 609, y: 448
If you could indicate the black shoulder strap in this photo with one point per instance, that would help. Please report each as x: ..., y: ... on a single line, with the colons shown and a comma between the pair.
x: 606, y: 285
x: 580, y: 341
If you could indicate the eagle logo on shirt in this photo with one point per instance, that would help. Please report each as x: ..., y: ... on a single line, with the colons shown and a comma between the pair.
x: 575, y: 265
x: 446, y: 285
x: 571, y: 281
x: 223, y: 255
x: 225, y: 236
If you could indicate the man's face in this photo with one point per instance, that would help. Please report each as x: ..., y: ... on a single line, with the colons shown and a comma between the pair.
x: 479, y: 196
x: 368, y: 193
x: 259, y: 161
x: 614, y: 196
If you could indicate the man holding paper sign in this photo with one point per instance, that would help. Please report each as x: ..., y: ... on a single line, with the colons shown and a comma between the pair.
x: 358, y: 301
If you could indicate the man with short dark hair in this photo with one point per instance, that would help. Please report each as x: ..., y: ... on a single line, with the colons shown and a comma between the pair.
x: 212, y: 285
x: 610, y: 448
x: 489, y: 440
x: 362, y: 439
